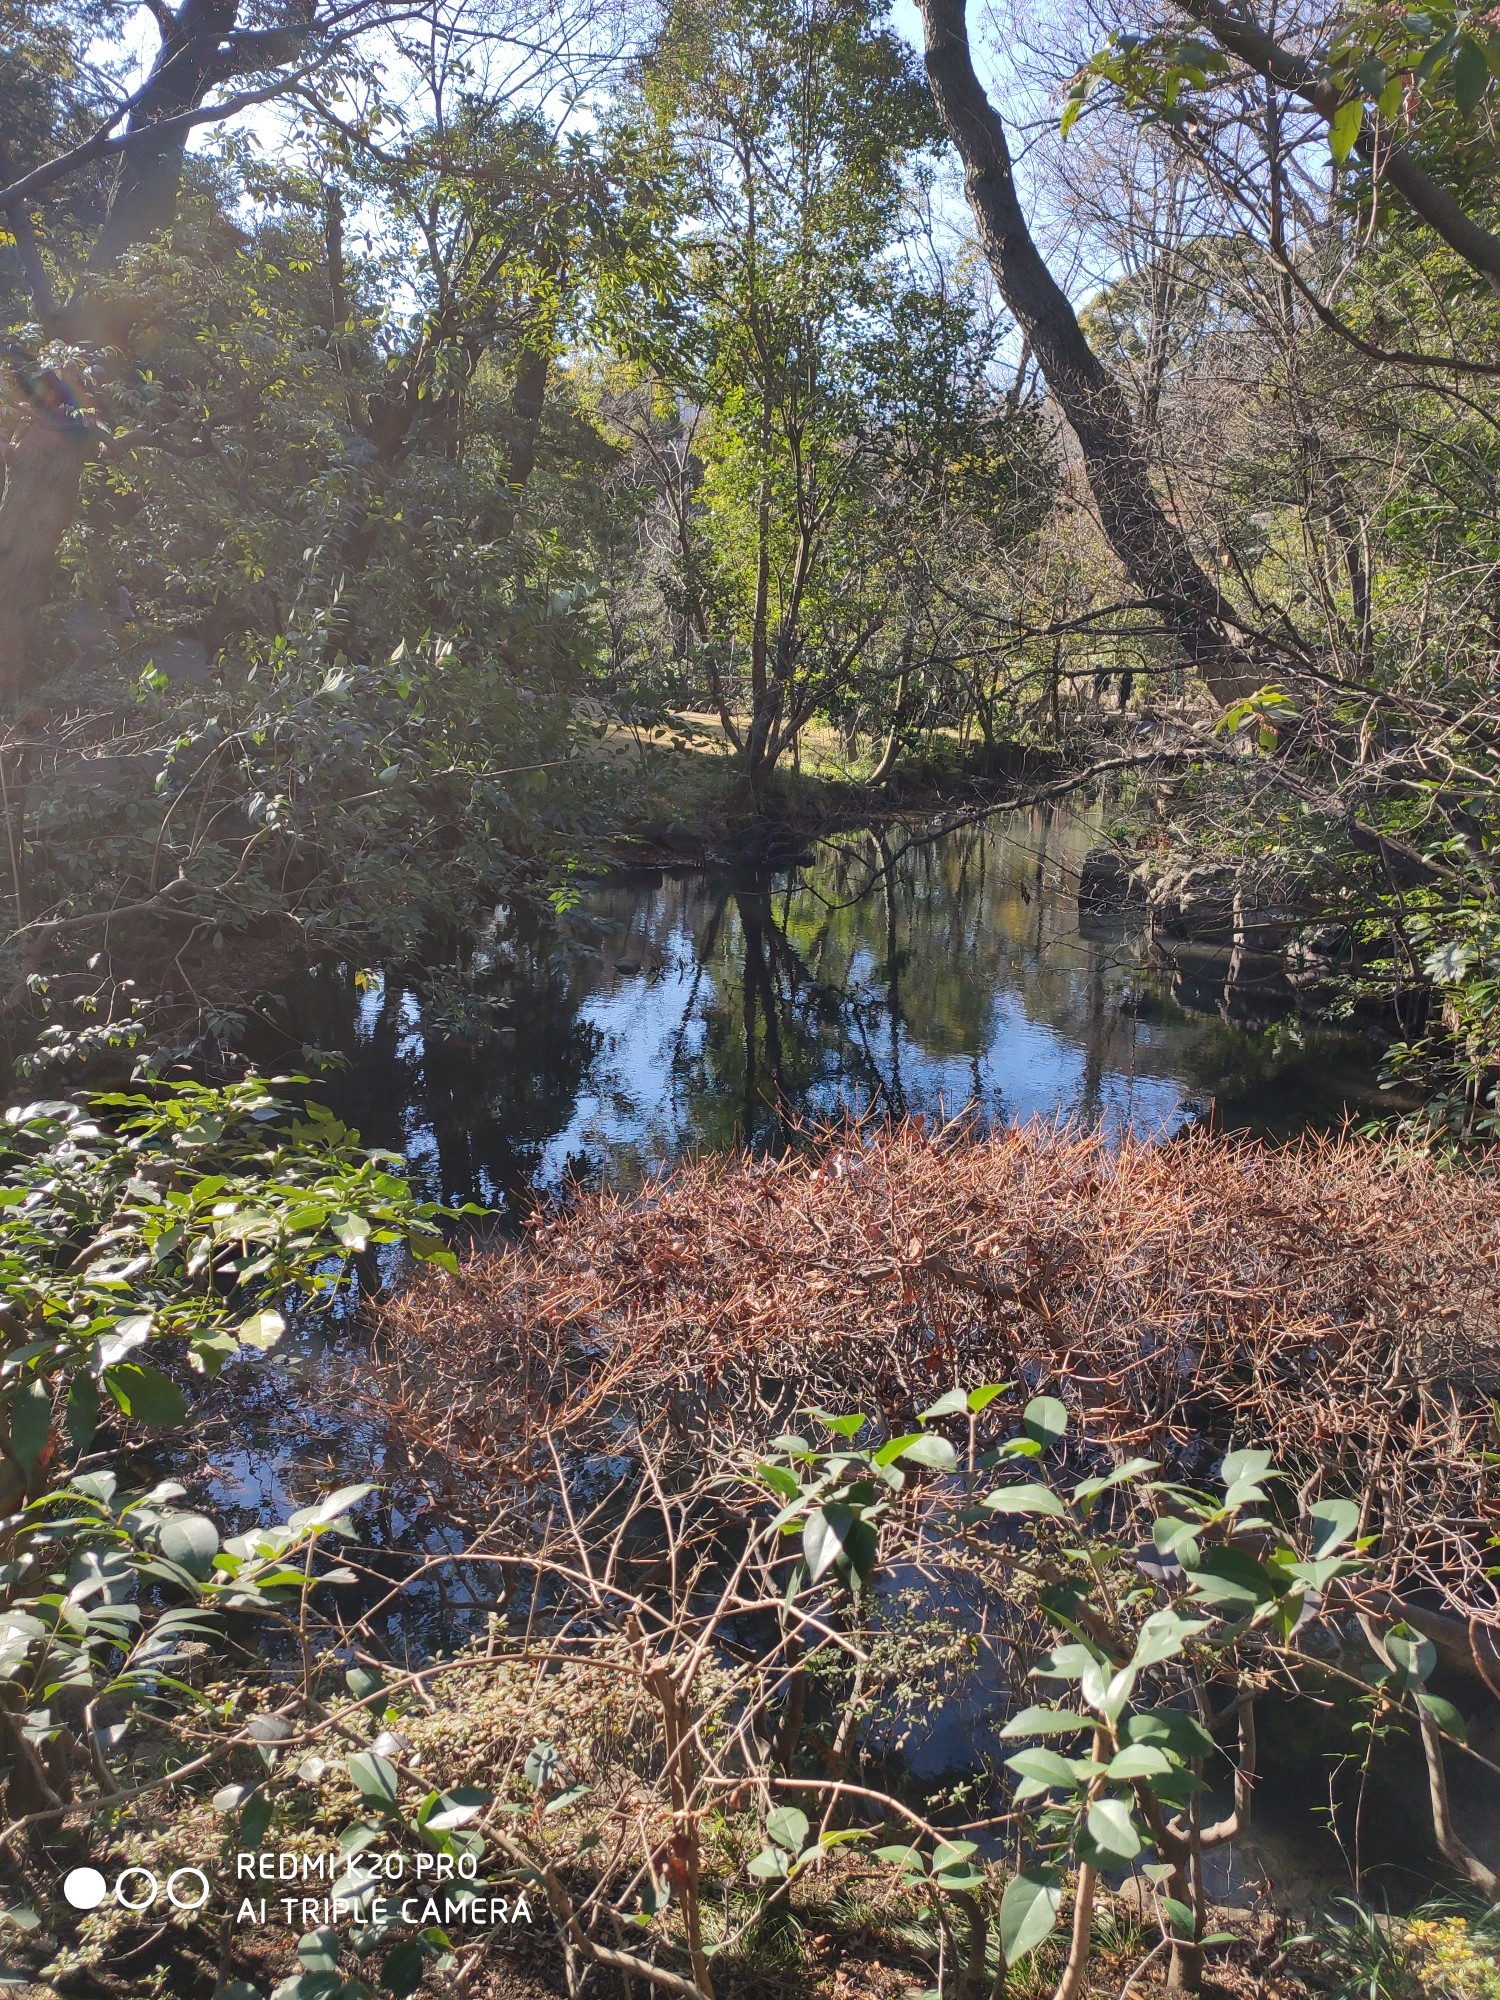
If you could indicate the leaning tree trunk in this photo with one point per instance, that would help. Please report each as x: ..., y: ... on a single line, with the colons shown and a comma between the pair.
x: 1150, y: 546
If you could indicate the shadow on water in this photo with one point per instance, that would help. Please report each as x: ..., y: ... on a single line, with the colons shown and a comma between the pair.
x: 692, y: 1011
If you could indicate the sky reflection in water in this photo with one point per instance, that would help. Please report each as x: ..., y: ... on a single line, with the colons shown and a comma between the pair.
x: 699, y: 1010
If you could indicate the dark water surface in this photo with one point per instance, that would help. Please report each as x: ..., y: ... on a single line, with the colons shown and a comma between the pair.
x: 894, y: 973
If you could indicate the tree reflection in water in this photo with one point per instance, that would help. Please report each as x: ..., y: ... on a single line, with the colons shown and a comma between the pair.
x: 900, y: 974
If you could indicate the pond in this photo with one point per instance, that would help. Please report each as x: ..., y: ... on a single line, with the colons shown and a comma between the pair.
x: 900, y: 973
x: 942, y: 976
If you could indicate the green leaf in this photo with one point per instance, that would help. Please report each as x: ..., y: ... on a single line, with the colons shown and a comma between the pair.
x: 788, y: 1828
x: 319, y: 1951
x: 1043, y: 1770
x: 1106, y: 1691
x: 541, y: 1765
x: 30, y: 1421
x: 404, y: 1968
x: 955, y: 1403
x: 908, y: 1858
x: 262, y: 1330
x: 1113, y: 1830
x: 565, y: 1799
x: 1345, y: 128
x: 779, y: 1480
x: 191, y: 1541
x: 330, y: 1508
x: 1139, y: 1760
x: 375, y: 1776
x: 1469, y: 68
x: 934, y: 1451
x: 860, y: 1548
x: 981, y: 1398
x: 1163, y: 1636
x: 1246, y: 1465
x: 770, y: 1865
x: 1174, y: 1537
x: 255, y: 1819
x: 1029, y: 1498
x: 1373, y: 76
x: 824, y: 1534
x: 457, y: 1808
x: 433, y: 1250
x: 268, y: 1729
x: 847, y: 1426
x: 145, y: 1393
x: 1333, y: 1522
x: 1173, y: 1728
x: 893, y: 1448
x: 1044, y: 1722
x: 1069, y: 1663
x: 1411, y: 1654
x: 1028, y: 1914
x: 82, y: 1415
x: 1232, y: 1577
x: 1179, y: 1915
x: 364, y: 1683
x: 1045, y: 1419
x: 1088, y: 1490
x: 961, y: 1879
x: 1245, y: 1472
x: 1445, y: 1715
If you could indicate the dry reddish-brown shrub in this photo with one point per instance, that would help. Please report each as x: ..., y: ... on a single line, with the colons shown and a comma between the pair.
x: 1336, y: 1300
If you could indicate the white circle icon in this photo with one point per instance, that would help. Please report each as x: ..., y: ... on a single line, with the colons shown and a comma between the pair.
x: 182, y: 1902
x: 85, y: 1888
x: 153, y: 1889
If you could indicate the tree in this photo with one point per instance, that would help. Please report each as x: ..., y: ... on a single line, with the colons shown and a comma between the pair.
x: 1380, y: 54
x: 95, y: 171
x: 1150, y: 545
x: 1328, y: 426
x: 497, y: 235
x: 844, y: 390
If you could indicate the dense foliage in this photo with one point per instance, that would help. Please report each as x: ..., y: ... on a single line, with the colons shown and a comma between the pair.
x: 412, y: 404
x: 375, y: 450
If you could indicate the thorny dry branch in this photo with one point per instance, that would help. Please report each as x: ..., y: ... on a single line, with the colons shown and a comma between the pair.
x: 1334, y: 1299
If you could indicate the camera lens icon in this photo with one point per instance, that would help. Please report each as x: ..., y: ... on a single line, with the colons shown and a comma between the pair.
x: 136, y: 1888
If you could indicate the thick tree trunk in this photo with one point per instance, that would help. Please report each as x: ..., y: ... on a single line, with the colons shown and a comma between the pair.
x: 528, y: 398
x: 194, y: 55
x: 43, y: 467
x: 1151, y: 548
